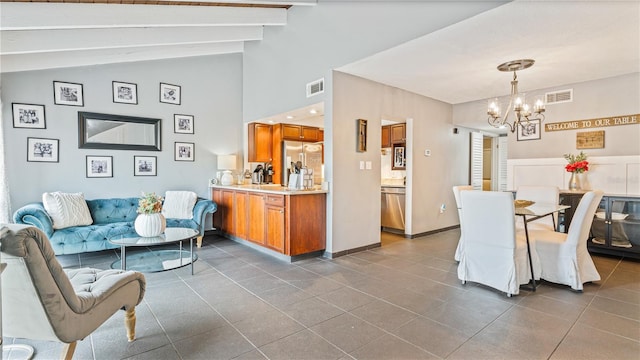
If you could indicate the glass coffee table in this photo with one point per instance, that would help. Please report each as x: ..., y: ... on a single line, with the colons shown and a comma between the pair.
x: 157, y: 260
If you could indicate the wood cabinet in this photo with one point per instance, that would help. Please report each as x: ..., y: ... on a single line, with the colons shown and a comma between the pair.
x: 320, y: 135
x: 260, y: 143
x: 288, y: 224
x: 275, y: 222
x: 300, y: 132
x: 386, y: 137
x: 398, y: 133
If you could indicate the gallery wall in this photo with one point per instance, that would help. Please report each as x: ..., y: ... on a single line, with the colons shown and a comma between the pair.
x: 211, y: 91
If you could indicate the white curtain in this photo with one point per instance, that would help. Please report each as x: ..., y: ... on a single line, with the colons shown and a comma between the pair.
x: 5, y: 201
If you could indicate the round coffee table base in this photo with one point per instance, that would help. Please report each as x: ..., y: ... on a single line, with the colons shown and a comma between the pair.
x: 17, y: 351
x: 156, y: 260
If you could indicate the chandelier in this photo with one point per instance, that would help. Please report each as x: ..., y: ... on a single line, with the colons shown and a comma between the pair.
x: 522, y: 111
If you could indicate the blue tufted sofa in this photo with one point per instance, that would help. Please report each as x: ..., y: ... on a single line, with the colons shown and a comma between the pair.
x: 112, y: 219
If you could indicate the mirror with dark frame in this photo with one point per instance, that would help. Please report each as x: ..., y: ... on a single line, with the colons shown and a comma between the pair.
x: 118, y: 132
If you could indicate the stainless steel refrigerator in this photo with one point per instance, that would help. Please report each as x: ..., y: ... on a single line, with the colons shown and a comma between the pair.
x: 309, y: 154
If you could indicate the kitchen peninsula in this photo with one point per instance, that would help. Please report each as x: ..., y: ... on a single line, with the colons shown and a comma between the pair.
x: 289, y: 224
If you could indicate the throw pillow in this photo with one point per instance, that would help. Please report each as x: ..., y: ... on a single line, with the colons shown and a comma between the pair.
x: 179, y: 204
x: 67, y: 209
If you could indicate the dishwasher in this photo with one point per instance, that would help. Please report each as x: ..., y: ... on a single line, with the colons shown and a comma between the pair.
x: 392, y: 204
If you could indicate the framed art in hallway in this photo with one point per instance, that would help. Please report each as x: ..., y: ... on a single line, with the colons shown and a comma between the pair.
x: 145, y: 166
x: 29, y: 116
x: 185, y: 151
x: 170, y: 94
x: 125, y: 93
x: 99, y: 166
x: 42, y: 150
x: 183, y: 124
x: 529, y: 130
x: 65, y: 93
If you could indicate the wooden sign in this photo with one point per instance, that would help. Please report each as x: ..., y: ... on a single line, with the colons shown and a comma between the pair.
x: 593, y: 123
x: 590, y: 140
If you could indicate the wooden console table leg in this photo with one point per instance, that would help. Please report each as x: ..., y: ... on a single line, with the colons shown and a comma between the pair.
x: 199, y: 241
x: 130, y: 323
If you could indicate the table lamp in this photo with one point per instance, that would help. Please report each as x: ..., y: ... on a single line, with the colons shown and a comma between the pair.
x: 226, y: 163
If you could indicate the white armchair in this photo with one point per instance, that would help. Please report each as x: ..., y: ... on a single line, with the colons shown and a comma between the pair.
x: 494, y: 255
x: 456, y: 195
x: 564, y: 257
x: 539, y: 194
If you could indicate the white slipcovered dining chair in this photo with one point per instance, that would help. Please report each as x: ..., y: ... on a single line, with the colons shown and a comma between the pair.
x: 539, y: 194
x: 456, y: 195
x: 564, y: 258
x: 494, y: 255
x: 42, y: 301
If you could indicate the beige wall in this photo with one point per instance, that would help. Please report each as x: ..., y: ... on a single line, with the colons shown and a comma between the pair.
x: 355, y: 194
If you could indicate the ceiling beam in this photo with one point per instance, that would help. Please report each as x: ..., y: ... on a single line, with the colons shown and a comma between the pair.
x: 45, y: 41
x: 28, y: 62
x: 40, y: 16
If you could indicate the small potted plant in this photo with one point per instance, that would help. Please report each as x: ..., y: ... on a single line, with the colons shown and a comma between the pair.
x: 577, y: 164
x: 150, y: 221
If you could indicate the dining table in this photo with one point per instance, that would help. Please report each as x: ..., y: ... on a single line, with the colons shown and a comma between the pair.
x: 531, y: 213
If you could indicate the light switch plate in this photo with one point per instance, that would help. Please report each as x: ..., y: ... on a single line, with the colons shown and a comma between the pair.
x: 427, y: 152
x: 368, y: 165
x: 361, y: 165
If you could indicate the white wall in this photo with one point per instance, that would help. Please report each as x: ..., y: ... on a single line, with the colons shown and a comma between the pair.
x: 355, y: 193
x: 318, y: 39
x: 592, y: 99
x: 211, y: 91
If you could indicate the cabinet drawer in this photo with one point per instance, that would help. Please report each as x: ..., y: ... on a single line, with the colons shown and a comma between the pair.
x: 275, y: 200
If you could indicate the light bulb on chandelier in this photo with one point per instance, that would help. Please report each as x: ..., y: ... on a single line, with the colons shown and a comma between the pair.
x: 522, y: 111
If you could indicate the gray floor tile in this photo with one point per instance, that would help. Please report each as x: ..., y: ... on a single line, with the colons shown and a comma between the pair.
x: 384, y: 315
x: 300, y: 346
x: 391, y: 347
x: 431, y: 336
x: 611, y: 323
x: 584, y: 342
x: 347, y: 298
x: 312, y: 311
x: 267, y: 327
x: 347, y: 332
x: 222, y: 343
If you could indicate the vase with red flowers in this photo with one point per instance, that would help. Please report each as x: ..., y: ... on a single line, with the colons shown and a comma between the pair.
x: 577, y: 164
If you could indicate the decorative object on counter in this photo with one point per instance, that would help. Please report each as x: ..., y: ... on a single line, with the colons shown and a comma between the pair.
x: 226, y: 163
x: 522, y: 111
x: 125, y: 93
x: 67, y: 94
x: 28, y: 116
x: 578, y: 164
x: 150, y: 221
x: 362, y: 135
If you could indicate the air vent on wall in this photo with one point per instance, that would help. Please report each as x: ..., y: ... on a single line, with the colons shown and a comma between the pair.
x: 560, y: 96
x: 315, y: 87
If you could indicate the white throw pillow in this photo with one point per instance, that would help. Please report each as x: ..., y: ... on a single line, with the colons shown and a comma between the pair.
x: 179, y: 204
x: 67, y: 209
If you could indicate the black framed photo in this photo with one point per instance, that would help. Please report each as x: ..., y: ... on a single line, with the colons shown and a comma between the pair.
x: 42, y: 150
x: 30, y: 116
x: 170, y: 94
x: 126, y: 93
x: 185, y: 151
x: 145, y: 166
x: 99, y: 166
x: 529, y: 130
x: 183, y: 124
x: 65, y: 93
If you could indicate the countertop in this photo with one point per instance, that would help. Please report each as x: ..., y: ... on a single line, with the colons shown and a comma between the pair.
x: 271, y: 189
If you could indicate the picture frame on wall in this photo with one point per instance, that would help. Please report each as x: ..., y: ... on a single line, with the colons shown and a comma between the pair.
x: 65, y: 93
x: 529, y: 130
x: 362, y: 135
x: 145, y: 166
x: 183, y: 124
x: 28, y: 116
x: 170, y: 94
x: 99, y: 166
x: 185, y: 151
x: 125, y: 93
x: 43, y: 150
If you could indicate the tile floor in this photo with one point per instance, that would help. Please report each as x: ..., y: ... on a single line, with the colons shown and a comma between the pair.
x: 400, y: 301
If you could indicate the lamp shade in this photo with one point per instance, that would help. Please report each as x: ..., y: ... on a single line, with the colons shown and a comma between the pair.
x: 226, y: 162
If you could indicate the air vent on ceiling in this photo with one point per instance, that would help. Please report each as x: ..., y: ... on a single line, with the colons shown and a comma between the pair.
x: 560, y: 96
x: 315, y: 87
